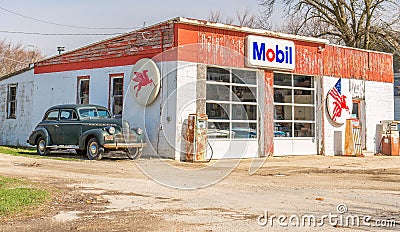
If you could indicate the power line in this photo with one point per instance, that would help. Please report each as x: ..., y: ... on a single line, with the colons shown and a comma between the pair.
x: 65, y: 25
x: 58, y: 34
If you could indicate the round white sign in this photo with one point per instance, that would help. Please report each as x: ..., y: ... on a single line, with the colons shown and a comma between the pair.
x: 339, y: 106
x: 145, y: 81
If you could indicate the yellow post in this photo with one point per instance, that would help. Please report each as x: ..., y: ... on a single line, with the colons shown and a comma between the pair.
x: 348, y: 139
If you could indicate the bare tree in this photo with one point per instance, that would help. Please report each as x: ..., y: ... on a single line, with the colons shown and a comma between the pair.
x: 246, y: 19
x: 243, y: 18
x: 354, y: 22
x: 15, y: 56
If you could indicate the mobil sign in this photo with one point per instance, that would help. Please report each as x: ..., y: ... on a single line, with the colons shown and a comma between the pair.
x: 270, y: 53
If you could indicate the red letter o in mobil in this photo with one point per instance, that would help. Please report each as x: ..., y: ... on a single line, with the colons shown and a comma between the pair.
x: 270, y: 55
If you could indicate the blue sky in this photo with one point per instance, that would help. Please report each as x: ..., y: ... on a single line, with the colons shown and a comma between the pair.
x: 98, y: 13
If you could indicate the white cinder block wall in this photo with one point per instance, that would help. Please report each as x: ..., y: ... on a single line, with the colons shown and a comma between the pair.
x: 16, y: 131
x: 379, y: 106
x: 329, y: 127
x: 164, y: 122
x: 185, y: 103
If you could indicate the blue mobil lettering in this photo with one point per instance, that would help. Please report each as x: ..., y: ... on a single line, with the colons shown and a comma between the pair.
x: 272, y: 55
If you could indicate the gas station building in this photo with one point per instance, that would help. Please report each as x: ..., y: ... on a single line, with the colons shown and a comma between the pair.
x: 263, y: 92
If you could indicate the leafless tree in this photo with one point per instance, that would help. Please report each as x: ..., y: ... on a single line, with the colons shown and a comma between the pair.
x: 15, y: 56
x: 355, y: 22
x: 243, y: 18
x: 366, y: 24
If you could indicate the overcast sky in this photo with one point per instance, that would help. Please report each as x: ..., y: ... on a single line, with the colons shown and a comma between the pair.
x: 97, y: 14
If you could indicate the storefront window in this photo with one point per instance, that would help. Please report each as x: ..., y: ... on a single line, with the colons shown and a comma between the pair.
x: 294, y: 102
x: 231, y: 103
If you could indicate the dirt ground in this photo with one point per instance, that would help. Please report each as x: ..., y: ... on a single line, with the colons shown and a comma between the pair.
x: 125, y: 195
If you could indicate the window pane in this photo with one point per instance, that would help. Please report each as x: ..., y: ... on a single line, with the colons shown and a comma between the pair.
x: 217, y: 111
x: 283, y: 129
x: 117, y: 106
x: 303, y: 81
x: 13, y: 91
x: 218, y: 130
x: 244, y: 112
x: 244, y: 130
x: 12, y: 110
x: 218, y: 92
x: 244, y: 94
x: 84, y: 91
x: 283, y: 95
x: 354, y: 112
x: 53, y: 115
x: 102, y: 113
x: 304, y: 113
x: 117, y: 86
x: 283, y: 112
x: 218, y: 74
x: 68, y: 115
x: 282, y: 79
x: 88, y: 113
x: 304, y: 130
x: 303, y: 96
x: 244, y: 77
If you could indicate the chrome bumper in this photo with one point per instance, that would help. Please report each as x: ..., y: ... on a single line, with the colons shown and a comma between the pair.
x: 123, y: 145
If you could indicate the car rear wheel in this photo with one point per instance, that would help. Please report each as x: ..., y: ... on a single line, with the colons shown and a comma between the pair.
x: 41, y: 147
x: 94, y: 150
x: 134, y: 153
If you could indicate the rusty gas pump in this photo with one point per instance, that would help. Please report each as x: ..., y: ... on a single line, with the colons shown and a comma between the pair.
x: 196, y: 148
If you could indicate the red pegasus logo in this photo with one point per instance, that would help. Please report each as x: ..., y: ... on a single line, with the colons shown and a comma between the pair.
x: 143, y: 80
x: 340, y: 104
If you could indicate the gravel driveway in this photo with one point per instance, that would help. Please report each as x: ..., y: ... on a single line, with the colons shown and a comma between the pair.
x: 145, y: 195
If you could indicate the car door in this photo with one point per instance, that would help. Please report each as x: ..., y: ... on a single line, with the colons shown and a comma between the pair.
x: 51, y: 124
x: 69, y: 127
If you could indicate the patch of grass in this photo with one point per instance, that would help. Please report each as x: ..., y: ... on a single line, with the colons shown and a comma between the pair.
x: 31, y: 152
x: 17, y: 150
x: 17, y: 196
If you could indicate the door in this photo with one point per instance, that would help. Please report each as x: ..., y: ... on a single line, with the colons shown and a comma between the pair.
x: 294, y: 115
x: 51, y: 123
x: 69, y: 127
x: 358, y: 112
x: 232, y: 109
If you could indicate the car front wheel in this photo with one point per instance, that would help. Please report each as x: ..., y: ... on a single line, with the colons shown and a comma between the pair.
x: 134, y: 153
x: 94, y: 150
x: 41, y: 147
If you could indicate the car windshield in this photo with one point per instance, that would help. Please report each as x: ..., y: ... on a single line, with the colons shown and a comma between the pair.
x: 93, y: 113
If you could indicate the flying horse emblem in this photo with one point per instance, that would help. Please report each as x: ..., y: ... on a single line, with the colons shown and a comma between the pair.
x: 142, y: 79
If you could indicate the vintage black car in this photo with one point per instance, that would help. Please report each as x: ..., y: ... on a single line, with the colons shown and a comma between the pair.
x: 89, y: 129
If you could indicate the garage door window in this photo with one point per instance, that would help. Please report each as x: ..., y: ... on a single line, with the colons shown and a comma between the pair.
x: 294, y: 102
x: 231, y: 103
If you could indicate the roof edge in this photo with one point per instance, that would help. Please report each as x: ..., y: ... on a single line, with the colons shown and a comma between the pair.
x: 176, y: 19
x: 250, y: 30
x: 16, y: 73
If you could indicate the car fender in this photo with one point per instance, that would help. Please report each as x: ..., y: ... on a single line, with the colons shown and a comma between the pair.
x: 98, y: 133
x: 41, y: 131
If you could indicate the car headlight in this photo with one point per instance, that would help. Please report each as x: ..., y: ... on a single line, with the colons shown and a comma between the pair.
x: 139, y: 131
x: 111, y: 130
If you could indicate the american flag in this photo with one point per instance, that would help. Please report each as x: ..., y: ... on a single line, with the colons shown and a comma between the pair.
x: 339, y: 100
